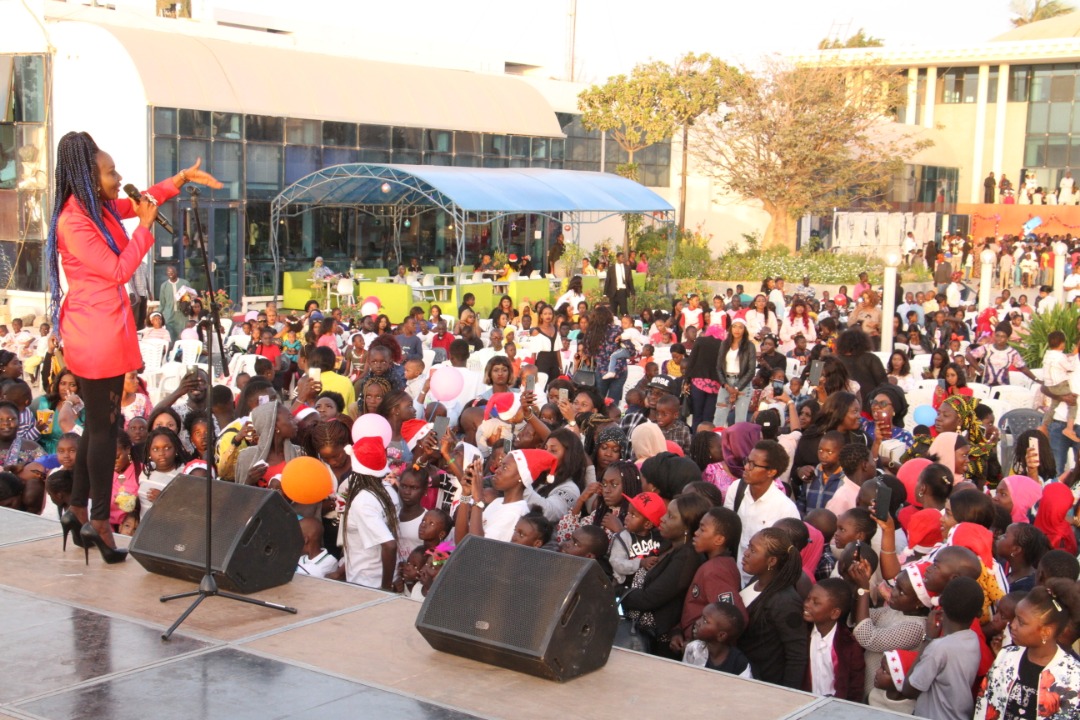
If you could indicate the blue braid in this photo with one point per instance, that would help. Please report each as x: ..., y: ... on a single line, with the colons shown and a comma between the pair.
x: 76, y: 173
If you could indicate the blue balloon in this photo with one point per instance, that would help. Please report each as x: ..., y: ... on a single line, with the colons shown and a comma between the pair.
x: 925, y: 415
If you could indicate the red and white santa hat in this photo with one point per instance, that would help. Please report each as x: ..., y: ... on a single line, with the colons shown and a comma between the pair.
x: 900, y: 663
x: 303, y: 411
x: 369, y: 457
x: 916, y: 573
x: 531, y: 464
x: 502, y: 406
x: 413, y: 431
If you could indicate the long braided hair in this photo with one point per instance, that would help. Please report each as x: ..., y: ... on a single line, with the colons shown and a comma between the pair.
x: 76, y: 175
x: 778, y: 544
x: 359, y: 483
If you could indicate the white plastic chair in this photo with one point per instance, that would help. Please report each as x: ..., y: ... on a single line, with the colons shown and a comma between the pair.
x: 226, y: 326
x: 153, y: 354
x: 983, y: 392
x: 634, y: 373
x: 239, y: 364
x: 541, y: 384
x: 919, y: 363
x: 1019, y: 379
x: 1017, y: 397
x: 343, y: 291
x: 930, y: 385
x: 792, y: 367
x: 190, y: 350
x: 485, y: 325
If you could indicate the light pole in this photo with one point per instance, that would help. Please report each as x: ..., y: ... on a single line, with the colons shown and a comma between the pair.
x: 888, y: 301
x: 987, y: 256
x: 1060, y: 249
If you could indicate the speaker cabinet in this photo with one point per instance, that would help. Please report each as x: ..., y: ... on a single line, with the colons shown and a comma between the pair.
x: 256, y: 539
x: 521, y: 608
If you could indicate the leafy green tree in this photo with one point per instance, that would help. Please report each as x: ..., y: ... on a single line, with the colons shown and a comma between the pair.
x: 806, y: 138
x: 1028, y: 11
x: 858, y: 40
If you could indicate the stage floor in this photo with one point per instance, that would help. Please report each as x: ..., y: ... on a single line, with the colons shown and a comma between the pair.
x: 84, y: 642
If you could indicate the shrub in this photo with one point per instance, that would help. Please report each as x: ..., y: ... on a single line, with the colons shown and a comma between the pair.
x: 1059, y: 317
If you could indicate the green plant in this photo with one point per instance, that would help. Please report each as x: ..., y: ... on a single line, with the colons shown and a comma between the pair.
x: 752, y: 240
x: 499, y: 258
x: 1059, y: 317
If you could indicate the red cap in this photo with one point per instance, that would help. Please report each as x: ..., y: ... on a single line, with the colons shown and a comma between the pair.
x: 651, y: 506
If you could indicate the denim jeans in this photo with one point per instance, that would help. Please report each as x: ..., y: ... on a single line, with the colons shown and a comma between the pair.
x: 704, y: 405
x: 1060, y: 445
x: 612, y: 388
x: 723, y: 411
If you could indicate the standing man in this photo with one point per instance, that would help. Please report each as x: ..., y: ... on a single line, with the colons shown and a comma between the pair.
x: 908, y: 246
x: 988, y: 189
x: 140, y: 293
x: 555, y: 254
x: 169, y: 296
x: 619, y: 284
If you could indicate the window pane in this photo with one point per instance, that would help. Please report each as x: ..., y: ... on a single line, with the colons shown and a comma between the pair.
x: 970, y: 89
x: 164, y: 121
x: 1018, y: 83
x: 228, y: 168
x: 407, y: 157
x: 376, y: 137
x: 519, y: 163
x: 494, y: 162
x: 496, y: 145
x: 1040, y: 84
x: 519, y: 147
x: 470, y: 161
x: 374, y: 156
x: 263, y: 170
x: 260, y: 128
x: 8, y: 174
x: 1038, y: 114
x: 467, y: 143
x: 303, y: 132
x: 1035, y: 151
x: 1062, y: 88
x: 192, y: 150
x: 406, y: 138
x: 539, y: 148
x: 439, y: 141
x: 556, y: 164
x: 338, y: 156
x: 29, y: 88
x: 165, y: 160
x: 1057, y: 151
x: 339, y: 134
x: 195, y: 123
x: 438, y: 159
x: 557, y: 149
x: 1059, y: 117
x: 229, y: 126
x: 1074, y: 152
x: 300, y: 161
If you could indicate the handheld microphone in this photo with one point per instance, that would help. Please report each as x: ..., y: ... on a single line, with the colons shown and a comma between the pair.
x: 134, y: 194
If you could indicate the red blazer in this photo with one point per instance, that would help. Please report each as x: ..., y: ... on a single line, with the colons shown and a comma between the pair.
x: 96, y: 324
x: 849, y: 667
x: 717, y: 580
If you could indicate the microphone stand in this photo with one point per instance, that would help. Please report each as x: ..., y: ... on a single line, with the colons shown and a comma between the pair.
x: 208, y: 586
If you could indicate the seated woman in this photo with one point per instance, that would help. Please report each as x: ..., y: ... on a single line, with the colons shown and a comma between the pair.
x: 62, y: 401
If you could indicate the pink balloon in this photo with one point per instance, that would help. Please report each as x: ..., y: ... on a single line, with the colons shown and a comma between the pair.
x: 372, y: 425
x: 446, y: 384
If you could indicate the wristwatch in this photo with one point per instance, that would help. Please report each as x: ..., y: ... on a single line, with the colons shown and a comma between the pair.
x: 572, y: 423
x: 861, y: 592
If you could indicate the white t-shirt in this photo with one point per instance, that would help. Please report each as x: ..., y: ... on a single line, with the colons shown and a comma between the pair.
x: 691, y: 316
x: 319, y: 566
x: 500, y: 518
x: 368, y: 528
x: 408, y: 536
x: 758, y: 514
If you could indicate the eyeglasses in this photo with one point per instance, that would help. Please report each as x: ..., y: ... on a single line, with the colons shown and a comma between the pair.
x: 880, y: 404
x: 755, y: 465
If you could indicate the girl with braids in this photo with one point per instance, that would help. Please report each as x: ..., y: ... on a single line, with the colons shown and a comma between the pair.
x: 775, y: 641
x: 980, y: 448
x: 370, y: 394
x: 621, y: 480
x: 99, y: 258
x: 1037, y: 676
x: 329, y: 441
x: 368, y: 507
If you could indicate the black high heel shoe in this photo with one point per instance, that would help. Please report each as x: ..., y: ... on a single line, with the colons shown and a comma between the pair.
x: 110, y: 555
x: 72, y: 526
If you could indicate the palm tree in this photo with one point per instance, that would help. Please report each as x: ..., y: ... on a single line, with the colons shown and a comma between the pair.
x: 1029, y: 11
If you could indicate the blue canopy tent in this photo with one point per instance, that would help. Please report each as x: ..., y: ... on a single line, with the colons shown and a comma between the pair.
x: 472, y: 196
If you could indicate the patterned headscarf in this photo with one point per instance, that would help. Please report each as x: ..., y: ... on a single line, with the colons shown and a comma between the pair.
x: 973, y: 430
x: 611, y: 432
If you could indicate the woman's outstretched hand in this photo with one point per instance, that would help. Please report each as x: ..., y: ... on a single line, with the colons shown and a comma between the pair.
x: 196, y: 175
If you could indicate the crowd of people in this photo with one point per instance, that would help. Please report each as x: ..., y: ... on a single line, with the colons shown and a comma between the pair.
x: 756, y: 495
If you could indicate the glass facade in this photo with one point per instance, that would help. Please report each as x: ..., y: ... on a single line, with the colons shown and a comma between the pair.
x: 24, y: 170
x: 257, y: 156
x: 1052, y: 141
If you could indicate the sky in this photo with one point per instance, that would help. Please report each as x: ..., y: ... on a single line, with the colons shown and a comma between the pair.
x: 614, y: 35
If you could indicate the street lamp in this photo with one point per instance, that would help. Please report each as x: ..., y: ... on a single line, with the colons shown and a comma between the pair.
x: 888, y: 301
x: 986, y: 278
x: 1060, y: 249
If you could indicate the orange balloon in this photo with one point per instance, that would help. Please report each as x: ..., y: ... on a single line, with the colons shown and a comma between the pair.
x: 306, y: 480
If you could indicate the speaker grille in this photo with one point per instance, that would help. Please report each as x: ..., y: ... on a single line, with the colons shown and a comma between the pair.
x: 505, y: 594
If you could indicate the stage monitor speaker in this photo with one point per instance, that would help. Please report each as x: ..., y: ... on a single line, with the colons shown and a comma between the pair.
x: 521, y: 608
x: 256, y: 539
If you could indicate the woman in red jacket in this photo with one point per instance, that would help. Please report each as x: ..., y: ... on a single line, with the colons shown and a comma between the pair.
x: 96, y: 325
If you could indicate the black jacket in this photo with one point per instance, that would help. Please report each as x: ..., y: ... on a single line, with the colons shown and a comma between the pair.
x: 776, y: 640
x: 867, y: 370
x: 747, y: 364
x: 665, y: 588
x: 704, y: 358
x: 609, y: 281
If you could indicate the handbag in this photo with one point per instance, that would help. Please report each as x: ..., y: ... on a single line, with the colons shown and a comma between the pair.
x: 585, y: 376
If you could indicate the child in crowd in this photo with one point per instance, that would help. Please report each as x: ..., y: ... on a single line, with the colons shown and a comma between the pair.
x: 888, y: 692
x: 434, y: 528
x: 942, y: 677
x: 415, y: 379
x: 314, y: 561
x: 436, y: 559
x: 825, y: 522
x: 409, y: 571
x: 673, y: 367
x: 855, y: 525
x: 826, y: 608
x: 510, y: 350
x: 717, y: 632
x: 166, y: 456
x: 1057, y: 564
x: 630, y: 337
x: 412, y: 486
x: 646, y: 355
x: 717, y: 580
x: 858, y: 467
x: 589, y: 541
x: 533, y: 530
x: 828, y: 475
x: 125, y: 488
x: 674, y: 429
x: 1057, y: 366
x: 638, y: 543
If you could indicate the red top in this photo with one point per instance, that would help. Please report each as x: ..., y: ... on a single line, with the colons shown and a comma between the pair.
x: 96, y: 324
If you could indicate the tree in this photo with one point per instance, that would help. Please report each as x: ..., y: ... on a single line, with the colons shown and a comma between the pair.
x: 858, y: 40
x: 802, y: 139
x: 1029, y: 11
x: 695, y: 86
x: 631, y: 110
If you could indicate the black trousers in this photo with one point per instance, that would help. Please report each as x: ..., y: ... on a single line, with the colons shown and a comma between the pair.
x: 93, y: 474
x: 619, y: 303
x: 138, y: 309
